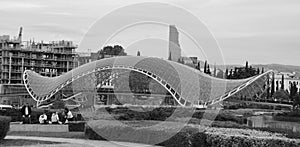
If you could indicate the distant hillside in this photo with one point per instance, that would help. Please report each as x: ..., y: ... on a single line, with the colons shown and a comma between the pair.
x: 281, y: 68
x: 277, y: 67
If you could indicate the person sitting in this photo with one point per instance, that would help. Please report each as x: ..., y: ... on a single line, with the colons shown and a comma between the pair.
x: 68, y: 115
x: 55, y: 118
x: 43, y: 119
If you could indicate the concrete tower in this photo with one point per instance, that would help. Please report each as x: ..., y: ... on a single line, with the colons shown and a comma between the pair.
x: 174, y: 47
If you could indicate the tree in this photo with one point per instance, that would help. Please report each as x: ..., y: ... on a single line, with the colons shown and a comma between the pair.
x: 198, y: 66
x: 235, y: 74
x: 293, y: 90
x: 246, y: 65
x: 258, y: 71
x: 281, y: 95
x: 282, y: 82
x: 273, y: 85
x: 277, y: 85
x: 208, y: 70
x: 226, y: 73
x: 138, y: 53
x: 170, y: 56
x: 116, y: 50
x: 296, y: 102
x: 205, y: 66
x: 263, y: 70
x: 230, y: 74
x: 268, y: 87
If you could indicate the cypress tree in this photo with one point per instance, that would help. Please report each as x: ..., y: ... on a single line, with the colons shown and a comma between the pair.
x: 208, y: 69
x: 215, y: 71
x: 180, y: 61
x: 268, y: 87
x: 198, y: 66
x: 170, y: 56
x: 230, y: 74
x: 273, y: 85
x: 205, y: 66
x: 246, y: 64
x: 258, y: 71
x: 235, y: 75
x: 263, y: 70
x: 282, y: 82
x: 226, y: 74
x: 138, y: 53
x: 293, y: 90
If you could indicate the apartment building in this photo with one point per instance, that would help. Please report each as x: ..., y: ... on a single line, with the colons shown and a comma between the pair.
x: 48, y: 59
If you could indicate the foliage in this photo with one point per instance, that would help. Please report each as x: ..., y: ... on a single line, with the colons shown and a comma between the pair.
x: 163, y: 113
x: 76, y: 126
x: 242, y: 72
x: 282, y: 82
x: 205, y: 67
x: 293, y: 90
x: 189, y: 135
x: 281, y: 95
x: 294, y: 95
x: 116, y: 50
x: 58, y: 104
x: 123, y: 113
x: 4, y: 126
x: 14, y: 114
x: 296, y: 99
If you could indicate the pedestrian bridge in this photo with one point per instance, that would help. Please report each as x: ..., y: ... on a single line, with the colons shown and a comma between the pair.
x: 188, y: 86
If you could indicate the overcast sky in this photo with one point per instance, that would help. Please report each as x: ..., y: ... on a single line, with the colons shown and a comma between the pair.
x: 260, y: 31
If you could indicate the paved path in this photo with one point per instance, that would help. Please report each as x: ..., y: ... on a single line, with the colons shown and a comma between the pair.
x: 83, y: 142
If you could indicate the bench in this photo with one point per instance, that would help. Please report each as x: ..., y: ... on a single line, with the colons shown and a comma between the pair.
x: 77, y: 126
x: 38, y: 128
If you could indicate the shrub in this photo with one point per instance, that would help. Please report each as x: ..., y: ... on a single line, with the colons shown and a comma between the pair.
x: 76, y: 126
x: 190, y: 136
x: 14, y: 114
x: 4, y: 126
x: 59, y: 104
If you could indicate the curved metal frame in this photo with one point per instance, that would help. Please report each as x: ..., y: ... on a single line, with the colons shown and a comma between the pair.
x: 176, y: 96
x: 237, y: 89
x: 180, y: 100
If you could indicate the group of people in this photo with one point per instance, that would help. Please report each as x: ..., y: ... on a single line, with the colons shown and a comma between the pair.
x: 43, y: 119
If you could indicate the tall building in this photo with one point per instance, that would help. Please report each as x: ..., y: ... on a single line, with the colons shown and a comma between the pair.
x: 174, y: 46
x: 48, y: 59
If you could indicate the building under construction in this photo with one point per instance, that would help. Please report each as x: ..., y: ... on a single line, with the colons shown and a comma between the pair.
x: 48, y: 59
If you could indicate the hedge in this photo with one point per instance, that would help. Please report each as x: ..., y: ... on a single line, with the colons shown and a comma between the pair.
x: 14, y: 114
x: 188, y: 136
x: 4, y: 126
x: 163, y: 114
